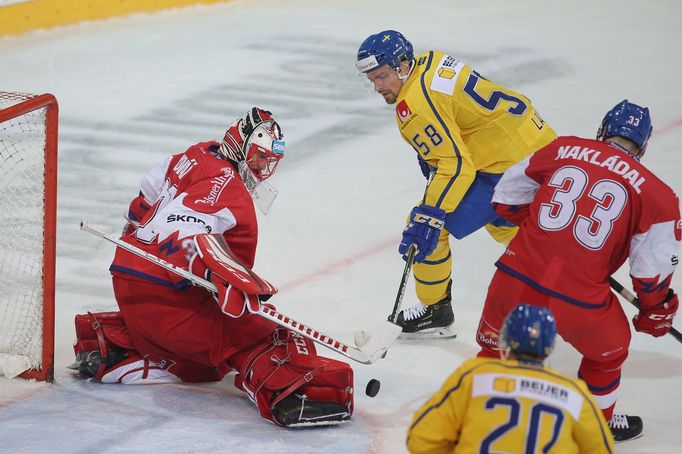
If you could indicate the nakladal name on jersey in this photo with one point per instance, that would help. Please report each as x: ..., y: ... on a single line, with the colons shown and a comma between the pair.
x: 612, y: 163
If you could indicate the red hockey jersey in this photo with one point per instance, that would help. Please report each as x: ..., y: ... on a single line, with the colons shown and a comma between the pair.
x: 182, y: 196
x: 584, y: 207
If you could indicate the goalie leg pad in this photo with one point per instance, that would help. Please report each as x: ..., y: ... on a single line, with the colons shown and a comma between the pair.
x: 102, y: 340
x: 105, y: 351
x: 138, y: 370
x: 291, y: 385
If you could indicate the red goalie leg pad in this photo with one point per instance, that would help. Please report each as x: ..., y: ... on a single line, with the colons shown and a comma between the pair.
x: 288, y: 363
x: 94, y: 331
x: 101, y: 331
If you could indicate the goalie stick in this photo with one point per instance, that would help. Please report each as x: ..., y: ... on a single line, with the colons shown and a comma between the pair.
x: 371, y: 351
x: 631, y: 298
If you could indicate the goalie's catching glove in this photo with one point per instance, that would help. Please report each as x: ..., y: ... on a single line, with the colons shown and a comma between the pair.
x: 423, y: 231
x: 238, y: 287
x: 658, y: 319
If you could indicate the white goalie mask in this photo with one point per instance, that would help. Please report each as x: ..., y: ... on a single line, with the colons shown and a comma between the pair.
x: 255, y: 143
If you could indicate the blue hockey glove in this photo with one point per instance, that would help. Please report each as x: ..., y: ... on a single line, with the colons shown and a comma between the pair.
x: 423, y: 231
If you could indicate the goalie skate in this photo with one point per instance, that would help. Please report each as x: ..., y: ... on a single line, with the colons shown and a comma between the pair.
x: 296, y: 411
x: 88, y: 363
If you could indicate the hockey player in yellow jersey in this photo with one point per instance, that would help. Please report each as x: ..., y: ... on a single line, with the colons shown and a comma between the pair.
x: 513, y: 404
x: 466, y: 131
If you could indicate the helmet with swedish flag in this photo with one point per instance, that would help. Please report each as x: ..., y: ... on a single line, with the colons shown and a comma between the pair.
x: 529, y: 331
x: 388, y: 47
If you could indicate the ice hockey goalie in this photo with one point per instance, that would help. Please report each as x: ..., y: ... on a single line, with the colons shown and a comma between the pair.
x: 196, y: 211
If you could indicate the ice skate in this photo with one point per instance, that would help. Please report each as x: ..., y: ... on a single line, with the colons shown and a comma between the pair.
x: 624, y: 427
x: 88, y: 363
x: 297, y: 411
x: 428, y: 322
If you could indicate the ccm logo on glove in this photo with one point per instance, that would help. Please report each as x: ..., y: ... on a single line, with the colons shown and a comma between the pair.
x: 431, y: 221
x: 657, y: 320
x: 423, y: 231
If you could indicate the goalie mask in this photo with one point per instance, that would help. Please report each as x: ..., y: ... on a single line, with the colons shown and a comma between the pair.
x: 255, y: 139
x: 254, y: 142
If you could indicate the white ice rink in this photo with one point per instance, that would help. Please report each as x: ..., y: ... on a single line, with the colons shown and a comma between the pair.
x: 134, y: 90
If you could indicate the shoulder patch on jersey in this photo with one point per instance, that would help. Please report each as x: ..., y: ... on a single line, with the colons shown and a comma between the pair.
x: 445, y: 75
x: 403, y: 111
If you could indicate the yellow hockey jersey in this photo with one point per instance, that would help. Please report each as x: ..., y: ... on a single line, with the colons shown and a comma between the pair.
x: 459, y: 123
x: 491, y: 405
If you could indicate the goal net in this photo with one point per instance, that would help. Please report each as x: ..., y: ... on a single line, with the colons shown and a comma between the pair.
x: 28, y: 194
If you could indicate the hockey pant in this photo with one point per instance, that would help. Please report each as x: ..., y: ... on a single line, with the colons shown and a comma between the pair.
x: 185, y: 335
x: 473, y: 212
x: 600, y: 334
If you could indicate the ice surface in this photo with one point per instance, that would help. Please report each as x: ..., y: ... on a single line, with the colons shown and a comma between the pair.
x: 134, y: 90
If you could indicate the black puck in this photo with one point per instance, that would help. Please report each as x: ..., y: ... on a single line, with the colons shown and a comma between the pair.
x: 372, y: 388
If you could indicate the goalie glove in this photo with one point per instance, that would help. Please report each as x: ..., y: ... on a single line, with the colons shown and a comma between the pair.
x: 423, y: 231
x: 658, y: 319
x: 238, y: 287
x: 232, y: 300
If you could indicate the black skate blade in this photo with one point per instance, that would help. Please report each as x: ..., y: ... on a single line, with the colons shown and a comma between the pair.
x: 625, y: 440
x: 447, y: 332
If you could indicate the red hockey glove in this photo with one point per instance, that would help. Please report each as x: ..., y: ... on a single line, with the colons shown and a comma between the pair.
x: 232, y: 300
x: 658, y: 319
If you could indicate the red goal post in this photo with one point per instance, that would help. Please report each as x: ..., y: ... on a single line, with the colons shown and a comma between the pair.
x: 28, y: 202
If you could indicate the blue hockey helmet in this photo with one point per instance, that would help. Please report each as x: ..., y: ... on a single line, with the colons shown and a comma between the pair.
x: 627, y: 120
x: 388, y: 47
x: 529, y: 331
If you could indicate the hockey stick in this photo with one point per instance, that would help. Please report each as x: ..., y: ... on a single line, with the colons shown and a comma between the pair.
x: 366, y: 354
x: 403, y: 283
x: 363, y: 338
x: 625, y: 293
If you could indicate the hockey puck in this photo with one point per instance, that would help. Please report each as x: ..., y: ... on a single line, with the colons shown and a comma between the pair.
x: 372, y: 388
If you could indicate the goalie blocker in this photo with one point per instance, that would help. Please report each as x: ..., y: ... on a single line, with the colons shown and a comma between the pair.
x: 279, y: 370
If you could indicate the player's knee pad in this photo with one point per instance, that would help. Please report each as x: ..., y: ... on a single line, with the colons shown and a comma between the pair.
x: 287, y: 365
x: 101, y: 341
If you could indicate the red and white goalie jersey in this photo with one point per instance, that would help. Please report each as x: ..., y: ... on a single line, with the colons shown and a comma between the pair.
x: 185, y: 195
x: 584, y: 207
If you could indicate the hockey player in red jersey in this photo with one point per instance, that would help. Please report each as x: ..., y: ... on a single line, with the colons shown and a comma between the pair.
x: 584, y: 207
x: 192, y: 206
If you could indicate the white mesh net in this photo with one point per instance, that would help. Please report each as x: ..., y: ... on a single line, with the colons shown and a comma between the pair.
x: 22, y: 143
